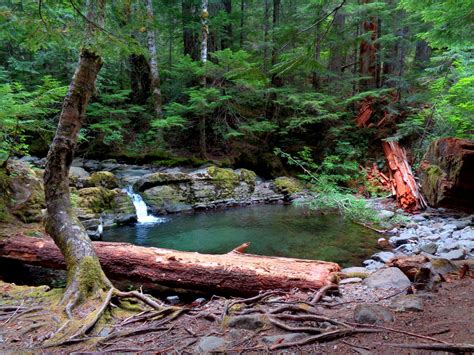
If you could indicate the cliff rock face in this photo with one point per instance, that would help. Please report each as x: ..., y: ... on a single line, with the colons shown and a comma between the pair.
x: 447, y: 174
x: 171, y: 192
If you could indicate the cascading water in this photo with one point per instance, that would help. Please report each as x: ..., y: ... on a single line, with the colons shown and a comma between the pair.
x: 141, y: 209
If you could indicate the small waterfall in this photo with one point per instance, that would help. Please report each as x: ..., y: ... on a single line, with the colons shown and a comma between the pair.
x: 141, y: 208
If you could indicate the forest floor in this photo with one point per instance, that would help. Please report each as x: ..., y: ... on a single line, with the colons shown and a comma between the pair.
x: 447, y: 316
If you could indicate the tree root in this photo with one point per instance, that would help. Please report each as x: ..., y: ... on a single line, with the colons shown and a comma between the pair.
x: 81, y: 334
x: 455, y: 348
x: 322, y: 291
x: 331, y: 335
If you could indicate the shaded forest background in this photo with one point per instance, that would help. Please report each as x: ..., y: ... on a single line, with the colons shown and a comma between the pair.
x: 286, y: 74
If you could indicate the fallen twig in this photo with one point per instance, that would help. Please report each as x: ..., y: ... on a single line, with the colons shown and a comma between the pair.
x: 324, y: 337
x: 322, y: 291
x: 398, y: 331
x: 457, y: 348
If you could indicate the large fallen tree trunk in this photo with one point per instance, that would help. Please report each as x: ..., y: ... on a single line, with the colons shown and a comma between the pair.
x: 401, y: 176
x: 231, y: 273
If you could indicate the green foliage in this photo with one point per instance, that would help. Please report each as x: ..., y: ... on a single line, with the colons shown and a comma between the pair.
x: 450, y: 21
x: 328, y: 195
x: 27, y: 113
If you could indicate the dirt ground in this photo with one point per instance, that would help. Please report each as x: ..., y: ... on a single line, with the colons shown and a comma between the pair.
x: 448, y: 315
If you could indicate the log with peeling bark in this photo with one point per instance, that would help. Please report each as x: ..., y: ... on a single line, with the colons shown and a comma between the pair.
x: 232, y: 273
x: 409, y: 196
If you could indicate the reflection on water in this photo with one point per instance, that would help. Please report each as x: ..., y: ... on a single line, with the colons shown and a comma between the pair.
x: 276, y: 230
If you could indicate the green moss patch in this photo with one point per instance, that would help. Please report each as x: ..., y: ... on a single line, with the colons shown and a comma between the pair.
x: 105, y: 179
x: 287, y: 185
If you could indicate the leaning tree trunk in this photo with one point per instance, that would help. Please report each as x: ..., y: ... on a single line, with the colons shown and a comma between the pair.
x: 84, y: 273
x: 154, y: 70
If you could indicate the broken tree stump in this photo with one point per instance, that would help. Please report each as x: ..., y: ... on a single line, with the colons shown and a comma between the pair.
x: 232, y: 273
x: 402, y: 178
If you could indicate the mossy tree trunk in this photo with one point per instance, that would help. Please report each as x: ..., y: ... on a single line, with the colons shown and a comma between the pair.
x: 85, y: 275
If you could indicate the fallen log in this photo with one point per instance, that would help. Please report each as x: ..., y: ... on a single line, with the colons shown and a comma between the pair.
x: 232, y: 273
x: 403, y: 181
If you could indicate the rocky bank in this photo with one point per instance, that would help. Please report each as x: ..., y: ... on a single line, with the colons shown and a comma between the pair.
x: 101, y: 190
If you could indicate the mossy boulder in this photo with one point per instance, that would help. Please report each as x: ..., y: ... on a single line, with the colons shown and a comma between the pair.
x: 248, y: 176
x: 226, y: 181
x: 94, y: 204
x: 287, y: 185
x: 105, y: 179
x: 447, y: 174
x: 167, y: 198
x: 157, y: 179
x: 96, y: 199
x: 22, y: 192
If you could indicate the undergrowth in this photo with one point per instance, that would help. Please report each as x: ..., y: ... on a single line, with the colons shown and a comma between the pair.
x: 325, y: 181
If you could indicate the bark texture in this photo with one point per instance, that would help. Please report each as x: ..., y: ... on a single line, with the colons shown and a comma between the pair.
x: 204, y: 29
x: 85, y: 275
x: 139, y: 79
x: 61, y: 223
x: 368, y: 54
x: 190, y: 35
x: 232, y: 273
x: 403, y: 180
x: 447, y: 174
x: 336, y: 53
x: 154, y: 69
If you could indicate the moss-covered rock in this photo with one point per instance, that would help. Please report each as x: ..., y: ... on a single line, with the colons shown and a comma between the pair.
x: 167, y: 199
x: 287, y: 185
x: 225, y: 179
x: 105, y: 179
x: 156, y: 179
x: 96, y: 199
x: 23, y: 195
x: 248, y: 176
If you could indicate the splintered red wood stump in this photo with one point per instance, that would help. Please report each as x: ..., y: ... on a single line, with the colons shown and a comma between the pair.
x: 401, y: 176
x: 232, y: 273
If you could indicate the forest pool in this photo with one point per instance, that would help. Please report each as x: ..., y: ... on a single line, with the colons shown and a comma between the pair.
x: 276, y: 230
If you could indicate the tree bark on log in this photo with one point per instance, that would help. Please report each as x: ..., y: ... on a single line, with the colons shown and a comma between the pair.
x: 403, y: 181
x: 232, y: 273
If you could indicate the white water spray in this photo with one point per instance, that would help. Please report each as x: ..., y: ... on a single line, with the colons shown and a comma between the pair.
x: 141, y: 208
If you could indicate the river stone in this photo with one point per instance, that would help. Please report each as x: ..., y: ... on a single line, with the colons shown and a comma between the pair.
x: 442, y: 266
x: 355, y: 271
x: 383, y: 256
x: 211, y: 344
x: 373, y: 265
x: 249, y: 322
x: 350, y: 280
x: 462, y: 223
x: 407, y: 303
x: 467, y: 233
x: 404, y: 238
x: 418, y: 218
x: 283, y: 338
x: 78, y: 172
x: 372, y: 314
x: 467, y: 244
x: 456, y: 254
x: 449, y: 244
x: 429, y: 248
x: 423, y: 231
x: 387, y: 278
x: 173, y: 300
x: 385, y: 214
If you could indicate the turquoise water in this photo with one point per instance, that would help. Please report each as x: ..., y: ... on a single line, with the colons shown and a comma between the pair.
x: 277, y: 230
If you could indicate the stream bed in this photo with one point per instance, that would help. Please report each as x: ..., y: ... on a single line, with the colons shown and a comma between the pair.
x: 274, y: 230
